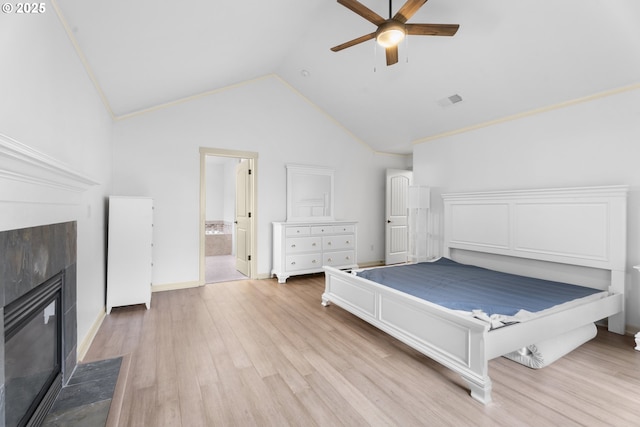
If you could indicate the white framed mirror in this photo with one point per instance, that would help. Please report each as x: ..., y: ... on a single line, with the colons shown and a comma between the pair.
x: 309, y: 193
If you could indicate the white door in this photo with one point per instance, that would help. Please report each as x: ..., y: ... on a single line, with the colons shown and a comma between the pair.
x: 243, y: 217
x: 397, y: 216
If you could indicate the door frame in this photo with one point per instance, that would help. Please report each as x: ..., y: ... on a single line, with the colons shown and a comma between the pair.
x: 253, y: 159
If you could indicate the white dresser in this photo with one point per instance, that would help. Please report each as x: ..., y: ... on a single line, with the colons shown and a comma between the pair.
x: 130, y: 251
x: 303, y: 248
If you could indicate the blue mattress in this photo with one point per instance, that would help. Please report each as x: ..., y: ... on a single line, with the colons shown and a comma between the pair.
x: 466, y: 287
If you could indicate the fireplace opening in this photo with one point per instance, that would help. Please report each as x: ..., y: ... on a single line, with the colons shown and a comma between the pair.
x: 33, y: 353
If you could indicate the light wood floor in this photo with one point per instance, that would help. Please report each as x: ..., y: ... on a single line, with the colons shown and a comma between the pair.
x: 258, y: 353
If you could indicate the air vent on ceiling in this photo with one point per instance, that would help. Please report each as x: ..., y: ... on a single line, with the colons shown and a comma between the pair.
x: 453, y: 99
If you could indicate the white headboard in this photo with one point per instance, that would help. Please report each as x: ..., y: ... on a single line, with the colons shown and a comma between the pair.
x: 577, y: 226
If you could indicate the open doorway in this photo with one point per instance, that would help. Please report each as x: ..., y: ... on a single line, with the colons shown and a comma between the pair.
x: 227, y: 215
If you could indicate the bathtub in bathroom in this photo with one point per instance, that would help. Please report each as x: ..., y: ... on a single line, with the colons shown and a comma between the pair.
x: 218, y: 239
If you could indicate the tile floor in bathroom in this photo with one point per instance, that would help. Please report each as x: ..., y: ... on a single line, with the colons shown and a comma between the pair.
x: 221, y: 268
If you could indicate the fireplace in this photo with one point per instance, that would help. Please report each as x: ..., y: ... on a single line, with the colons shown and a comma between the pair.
x: 32, y: 353
x: 38, y: 300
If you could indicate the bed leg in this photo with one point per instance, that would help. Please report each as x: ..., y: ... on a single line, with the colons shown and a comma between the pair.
x: 325, y: 301
x: 480, y: 391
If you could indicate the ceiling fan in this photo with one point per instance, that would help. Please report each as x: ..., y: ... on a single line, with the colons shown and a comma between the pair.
x: 392, y: 31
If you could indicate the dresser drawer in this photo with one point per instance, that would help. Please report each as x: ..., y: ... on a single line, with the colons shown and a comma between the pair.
x: 297, y: 231
x: 334, y: 243
x: 333, y: 229
x: 304, y: 262
x: 336, y: 259
x: 341, y: 229
x: 295, y: 245
x: 322, y: 229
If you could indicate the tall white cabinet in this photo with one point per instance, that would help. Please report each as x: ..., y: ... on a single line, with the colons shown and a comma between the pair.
x: 419, y: 239
x: 129, y: 254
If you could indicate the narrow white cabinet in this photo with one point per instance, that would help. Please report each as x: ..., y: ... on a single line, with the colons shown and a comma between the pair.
x: 303, y: 248
x: 129, y: 253
x: 637, y: 336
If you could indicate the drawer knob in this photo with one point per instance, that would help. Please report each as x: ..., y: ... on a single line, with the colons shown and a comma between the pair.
x: 329, y: 243
x: 347, y: 257
x: 313, y: 262
x: 348, y: 242
x: 293, y: 263
x: 313, y: 244
x: 329, y: 260
x: 293, y: 246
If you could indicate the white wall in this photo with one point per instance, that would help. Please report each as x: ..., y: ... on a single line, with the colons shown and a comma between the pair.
x: 215, y: 178
x: 591, y: 143
x: 157, y: 154
x: 49, y: 104
x: 220, y: 191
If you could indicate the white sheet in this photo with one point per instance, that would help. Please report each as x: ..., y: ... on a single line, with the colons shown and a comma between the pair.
x: 539, y: 355
x: 498, y: 321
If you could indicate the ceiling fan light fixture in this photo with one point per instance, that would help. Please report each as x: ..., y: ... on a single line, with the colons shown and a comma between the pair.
x: 390, y: 34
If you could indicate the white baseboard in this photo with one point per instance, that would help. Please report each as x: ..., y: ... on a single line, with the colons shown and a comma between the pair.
x: 83, y: 346
x: 174, y: 286
x: 370, y: 264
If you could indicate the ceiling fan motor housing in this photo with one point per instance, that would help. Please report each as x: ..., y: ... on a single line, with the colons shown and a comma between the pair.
x: 390, y: 33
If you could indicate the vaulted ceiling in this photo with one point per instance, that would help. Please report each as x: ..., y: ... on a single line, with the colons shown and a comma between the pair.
x: 508, y: 57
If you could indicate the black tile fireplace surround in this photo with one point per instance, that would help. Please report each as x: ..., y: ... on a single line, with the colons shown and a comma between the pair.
x: 28, y: 258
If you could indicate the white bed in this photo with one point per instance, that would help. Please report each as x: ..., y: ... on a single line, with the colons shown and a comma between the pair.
x: 581, y: 227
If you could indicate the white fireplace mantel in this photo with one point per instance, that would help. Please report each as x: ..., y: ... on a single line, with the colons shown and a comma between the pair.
x: 28, y: 175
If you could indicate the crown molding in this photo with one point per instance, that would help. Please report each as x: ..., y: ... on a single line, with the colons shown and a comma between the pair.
x: 533, y: 112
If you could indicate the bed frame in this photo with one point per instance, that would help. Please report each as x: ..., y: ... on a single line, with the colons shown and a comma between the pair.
x: 584, y: 227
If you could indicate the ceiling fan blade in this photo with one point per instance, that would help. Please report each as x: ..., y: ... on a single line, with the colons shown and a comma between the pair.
x: 363, y: 11
x: 431, y: 29
x: 354, y: 42
x: 392, y: 55
x: 408, y: 10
